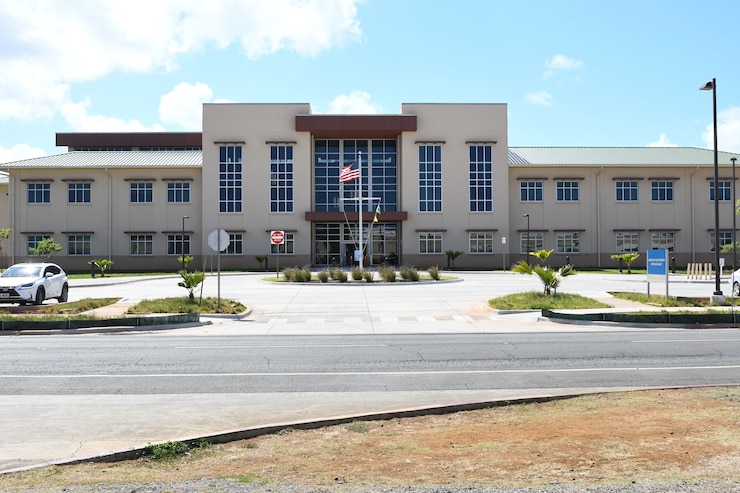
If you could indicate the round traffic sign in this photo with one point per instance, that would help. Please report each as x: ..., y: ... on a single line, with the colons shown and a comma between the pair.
x: 277, y: 237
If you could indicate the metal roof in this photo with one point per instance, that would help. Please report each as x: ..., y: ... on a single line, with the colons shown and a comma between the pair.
x: 113, y: 159
x: 616, y: 156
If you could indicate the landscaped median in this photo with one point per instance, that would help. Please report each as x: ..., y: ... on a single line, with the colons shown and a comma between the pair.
x: 72, y: 323
x: 664, y: 317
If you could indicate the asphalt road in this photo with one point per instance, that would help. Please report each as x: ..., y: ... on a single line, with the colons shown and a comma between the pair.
x: 306, y: 352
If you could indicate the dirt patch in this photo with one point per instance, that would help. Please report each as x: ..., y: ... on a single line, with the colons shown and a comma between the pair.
x: 596, y: 439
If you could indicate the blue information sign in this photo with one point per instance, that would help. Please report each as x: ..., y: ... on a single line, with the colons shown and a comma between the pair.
x: 657, y: 268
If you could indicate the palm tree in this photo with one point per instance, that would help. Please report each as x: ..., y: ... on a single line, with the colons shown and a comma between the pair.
x: 549, y: 277
x: 627, y: 258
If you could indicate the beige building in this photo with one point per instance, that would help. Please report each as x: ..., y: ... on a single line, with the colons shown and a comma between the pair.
x: 433, y: 178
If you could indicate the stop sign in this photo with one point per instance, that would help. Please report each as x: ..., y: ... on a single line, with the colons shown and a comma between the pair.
x: 277, y: 237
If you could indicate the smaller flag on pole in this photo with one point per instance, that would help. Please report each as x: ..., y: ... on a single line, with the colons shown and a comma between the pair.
x: 349, y: 173
x: 377, y: 213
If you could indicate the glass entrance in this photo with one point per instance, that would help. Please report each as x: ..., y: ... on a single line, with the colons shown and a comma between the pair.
x: 335, y: 243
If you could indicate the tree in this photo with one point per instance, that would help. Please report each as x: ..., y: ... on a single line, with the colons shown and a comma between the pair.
x: 46, y: 247
x: 190, y: 281
x: 102, y: 265
x: 4, y: 233
x: 549, y: 277
x: 627, y: 258
x: 261, y: 259
x: 451, y: 256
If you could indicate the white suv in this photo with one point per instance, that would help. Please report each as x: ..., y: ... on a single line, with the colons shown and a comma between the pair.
x: 33, y: 283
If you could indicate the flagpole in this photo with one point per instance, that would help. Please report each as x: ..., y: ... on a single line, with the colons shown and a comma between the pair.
x: 359, y: 182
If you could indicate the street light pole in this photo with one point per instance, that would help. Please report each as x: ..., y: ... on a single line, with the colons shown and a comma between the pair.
x: 712, y: 86
x: 182, y: 238
x: 734, y: 216
x: 529, y: 249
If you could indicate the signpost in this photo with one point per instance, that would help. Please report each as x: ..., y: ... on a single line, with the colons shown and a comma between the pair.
x: 218, y: 240
x: 277, y: 238
x: 657, y: 268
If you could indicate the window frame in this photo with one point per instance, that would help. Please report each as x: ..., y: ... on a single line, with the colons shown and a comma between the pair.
x: 79, y: 193
x: 38, y: 193
x: 138, y: 240
x: 287, y: 247
x: 478, y: 238
x: 430, y: 178
x: 433, y: 239
x: 141, y: 192
x: 624, y: 188
x: 77, y: 242
x: 531, y: 190
x: 178, y: 192
x: 567, y: 191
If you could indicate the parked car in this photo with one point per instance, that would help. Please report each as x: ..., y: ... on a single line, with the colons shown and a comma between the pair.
x: 33, y: 283
x: 735, y: 283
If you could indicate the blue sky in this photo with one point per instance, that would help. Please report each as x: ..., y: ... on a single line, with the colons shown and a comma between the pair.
x: 573, y: 73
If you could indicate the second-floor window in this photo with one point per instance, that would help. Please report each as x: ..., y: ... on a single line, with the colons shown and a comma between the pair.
x: 481, y: 178
x: 78, y: 193
x: 39, y: 193
x: 530, y: 191
x: 567, y: 191
x: 430, y: 178
x: 724, y: 189
x: 662, y: 191
x: 626, y: 191
x: 142, y: 192
x: 281, y: 178
x: 230, y: 178
x: 178, y: 192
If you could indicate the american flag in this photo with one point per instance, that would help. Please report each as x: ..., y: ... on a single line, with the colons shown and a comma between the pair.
x: 351, y: 172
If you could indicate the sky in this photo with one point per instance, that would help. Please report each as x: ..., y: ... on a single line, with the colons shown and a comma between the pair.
x: 572, y: 72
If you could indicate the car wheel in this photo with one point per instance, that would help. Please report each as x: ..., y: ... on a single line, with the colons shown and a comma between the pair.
x: 40, y: 295
x: 65, y: 294
x: 736, y: 289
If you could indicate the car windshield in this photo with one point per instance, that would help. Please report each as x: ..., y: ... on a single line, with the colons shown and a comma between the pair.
x: 22, y: 271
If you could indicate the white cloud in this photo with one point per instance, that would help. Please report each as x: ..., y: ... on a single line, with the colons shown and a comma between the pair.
x: 356, y: 102
x: 561, y: 63
x: 183, y: 106
x: 48, y: 45
x: 77, y: 116
x: 728, y: 131
x: 540, y: 98
x: 662, y: 142
x: 19, y: 152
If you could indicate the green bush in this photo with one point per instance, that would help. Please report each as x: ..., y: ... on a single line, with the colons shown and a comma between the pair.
x: 434, y: 273
x: 323, y: 276
x: 387, y: 273
x: 341, y: 276
x: 409, y: 273
x: 290, y: 273
x: 356, y: 273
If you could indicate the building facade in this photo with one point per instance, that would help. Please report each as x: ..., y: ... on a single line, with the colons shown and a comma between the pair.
x: 432, y: 179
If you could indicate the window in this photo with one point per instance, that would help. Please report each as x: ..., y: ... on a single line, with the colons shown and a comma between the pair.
x: 662, y: 191
x: 628, y: 242
x: 178, y: 192
x: 481, y: 178
x: 33, y: 242
x: 78, y: 193
x: 724, y: 189
x: 660, y: 240
x: 568, y: 243
x: 430, y: 243
x: 230, y: 179
x: 39, y: 193
x: 480, y: 242
x: 78, y: 244
x: 531, y: 242
x: 530, y: 191
x: 286, y: 247
x: 178, y: 245
x: 141, y: 245
x: 430, y: 178
x: 236, y: 244
x: 567, y: 191
x: 141, y: 192
x: 281, y: 178
x: 626, y: 191
x: 725, y: 238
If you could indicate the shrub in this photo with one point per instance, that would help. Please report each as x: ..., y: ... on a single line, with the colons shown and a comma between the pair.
x: 341, y: 276
x: 323, y: 276
x: 356, y: 273
x: 335, y: 273
x: 434, y: 272
x: 387, y: 273
x: 409, y: 273
x: 290, y: 273
x: 368, y: 276
x: 303, y: 275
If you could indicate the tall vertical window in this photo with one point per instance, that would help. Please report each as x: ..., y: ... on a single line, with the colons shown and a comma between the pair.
x: 626, y: 191
x: 32, y: 241
x: 628, y: 242
x: 530, y: 191
x: 141, y: 192
x: 286, y: 247
x: 236, y: 244
x: 230, y: 178
x: 568, y: 243
x: 662, y: 240
x: 39, y: 193
x: 567, y: 191
x: 430, y: 242
x: 78, y: 193
x: 430, y: 178
x: 382, y: 176
x: 662, y: 191
x: 178, y: 192
x: 480, y: 242
x: 78, y: 244
x: 481, y: 178
x: 178, y: 244
x: 141, y: 244
x: 281, y: 178
x: 724, y: 189
x: 725, y: 238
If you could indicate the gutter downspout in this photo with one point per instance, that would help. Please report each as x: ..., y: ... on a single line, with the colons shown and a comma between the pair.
x: 693, y: 214
x: 110, y: 215
x: 11, y: 215
x: 598, y: 217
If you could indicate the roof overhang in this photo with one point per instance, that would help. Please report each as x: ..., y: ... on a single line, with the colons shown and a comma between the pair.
x: 132, y: 139
x: 354, y: 126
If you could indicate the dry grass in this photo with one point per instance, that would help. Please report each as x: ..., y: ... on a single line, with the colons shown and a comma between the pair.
x: 595, y: 439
